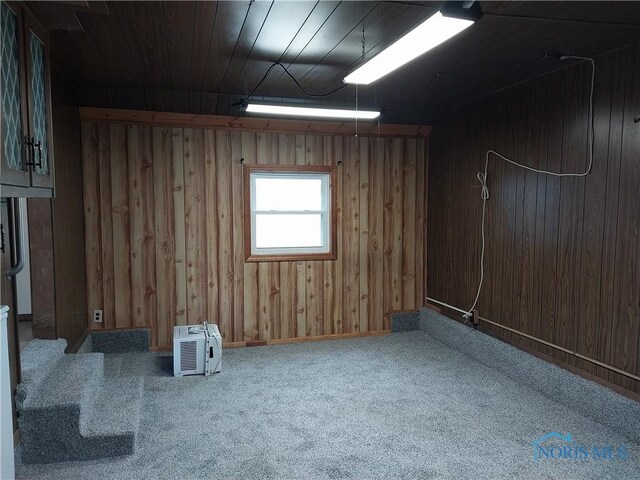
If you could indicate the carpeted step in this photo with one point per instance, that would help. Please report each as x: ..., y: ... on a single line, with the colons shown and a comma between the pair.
x: 71, y: 381
x: 83, y: 409
x: 121, y: 341
x: 405, y: 321
x: 79, y: 414
x: 112, y: 420
x: 112, y: 365
x: 49, y: 415
x: 37, y: 359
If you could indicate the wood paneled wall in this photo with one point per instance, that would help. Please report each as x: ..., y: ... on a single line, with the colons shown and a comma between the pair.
x: 68, y: 218
x: 164, y: 232
x: 563, y: 254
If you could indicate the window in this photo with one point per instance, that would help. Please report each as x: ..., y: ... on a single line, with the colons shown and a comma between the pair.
x: 289, y: 213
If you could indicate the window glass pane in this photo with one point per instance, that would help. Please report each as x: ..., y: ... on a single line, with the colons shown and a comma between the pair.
x: 10, y: 92
x: 39, y: 101
x: 281, y: 231
x: 293, y: 194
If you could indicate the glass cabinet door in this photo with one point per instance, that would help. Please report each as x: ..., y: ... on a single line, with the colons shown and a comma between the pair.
x: 39, y: 104
x: 14, y: 170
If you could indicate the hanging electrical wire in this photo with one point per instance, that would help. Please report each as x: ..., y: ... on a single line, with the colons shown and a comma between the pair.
x: 482, y: 176
x: 302, y: 89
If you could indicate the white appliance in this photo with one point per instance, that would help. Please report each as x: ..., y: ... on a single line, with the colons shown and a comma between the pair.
x: 197, y: 349
x: 6, y: 430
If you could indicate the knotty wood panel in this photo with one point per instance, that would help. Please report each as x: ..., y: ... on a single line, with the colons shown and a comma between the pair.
x: 175, y: 239
x: 562, y: 253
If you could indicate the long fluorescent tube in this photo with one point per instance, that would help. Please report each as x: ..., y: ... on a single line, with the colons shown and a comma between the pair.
x: 311, y: 112
x: 431, y: 33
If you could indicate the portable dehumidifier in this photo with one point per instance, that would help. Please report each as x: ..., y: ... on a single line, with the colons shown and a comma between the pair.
x: 197, y: 349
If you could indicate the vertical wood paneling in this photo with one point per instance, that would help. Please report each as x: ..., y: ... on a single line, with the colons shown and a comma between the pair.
x: 264, y: 269
x: 562, y: 260
x: 250, y: 274
x: 571, y: 207
x: 91, y: 200
x: 337, y: 316
x: 616, y: 128
x: 195, y: 221
x: 420, y: 220
x: 273, y: 286
x: 69, y: 265
x: 136, y: 216
x: 363, y: 262
x: 375, y: 259
x: 626, y: 332
x: 508, y: 188
x: 224, y: 232
x: 314, y: 155
x: 409, y: 222
x: 530, y: 156
x: 177, y: 156
x: 542, y: 161
x: 165, y: 233
x: 555, y: 121
x: 174, y: 198
x: 351, y: 237
x: 211, y: 173
x: 592, y: 238
x: 288, y: 272
x: 387, y: 235
x: 106, y: 225
x: 301, y: 266
x: 120, y: 222
x: 329, y: 267
x: 149, y: 237
x: 395, y: 179
x: 237, y: 214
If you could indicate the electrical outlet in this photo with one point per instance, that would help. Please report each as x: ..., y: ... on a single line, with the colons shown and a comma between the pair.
x: 97, y: 316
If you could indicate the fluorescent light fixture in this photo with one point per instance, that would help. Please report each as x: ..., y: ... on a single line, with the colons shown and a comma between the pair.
x: 311, y: 112
x: 431, y: 33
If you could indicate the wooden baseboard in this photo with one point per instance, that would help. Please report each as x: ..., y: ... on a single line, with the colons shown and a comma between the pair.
x: 284, y: 341
x: 411, y: 310
x: 337, y: 336
x: 97, y: 327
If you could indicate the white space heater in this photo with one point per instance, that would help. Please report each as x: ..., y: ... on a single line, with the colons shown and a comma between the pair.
x: 197, y: 349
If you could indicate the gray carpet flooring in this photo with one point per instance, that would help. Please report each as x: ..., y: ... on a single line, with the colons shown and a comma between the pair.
x: 398, y: 406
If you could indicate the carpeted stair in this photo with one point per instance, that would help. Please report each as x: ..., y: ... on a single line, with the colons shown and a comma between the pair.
x: 70, y: 410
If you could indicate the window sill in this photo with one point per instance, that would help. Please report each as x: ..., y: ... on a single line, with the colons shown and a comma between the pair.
x: 291, y: 258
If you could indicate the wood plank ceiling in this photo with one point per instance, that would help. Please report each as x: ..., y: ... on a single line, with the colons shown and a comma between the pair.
x: 202, y: 57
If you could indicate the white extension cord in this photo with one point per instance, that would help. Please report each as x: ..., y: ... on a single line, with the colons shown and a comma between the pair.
x: 482, y: 176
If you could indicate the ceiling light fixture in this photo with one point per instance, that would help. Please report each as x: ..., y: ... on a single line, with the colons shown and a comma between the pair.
x: 311, y: 112
x: 435, y: 30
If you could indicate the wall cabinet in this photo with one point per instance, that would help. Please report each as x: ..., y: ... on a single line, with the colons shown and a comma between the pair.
x: 25, y: 132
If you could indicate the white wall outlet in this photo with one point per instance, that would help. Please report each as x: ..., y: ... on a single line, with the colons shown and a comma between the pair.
x: 97, y: 316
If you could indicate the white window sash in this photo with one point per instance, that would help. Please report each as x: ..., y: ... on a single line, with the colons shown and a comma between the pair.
x: 324, y: 213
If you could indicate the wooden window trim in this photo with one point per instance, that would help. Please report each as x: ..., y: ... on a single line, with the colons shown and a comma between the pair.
x: 333, y: 216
